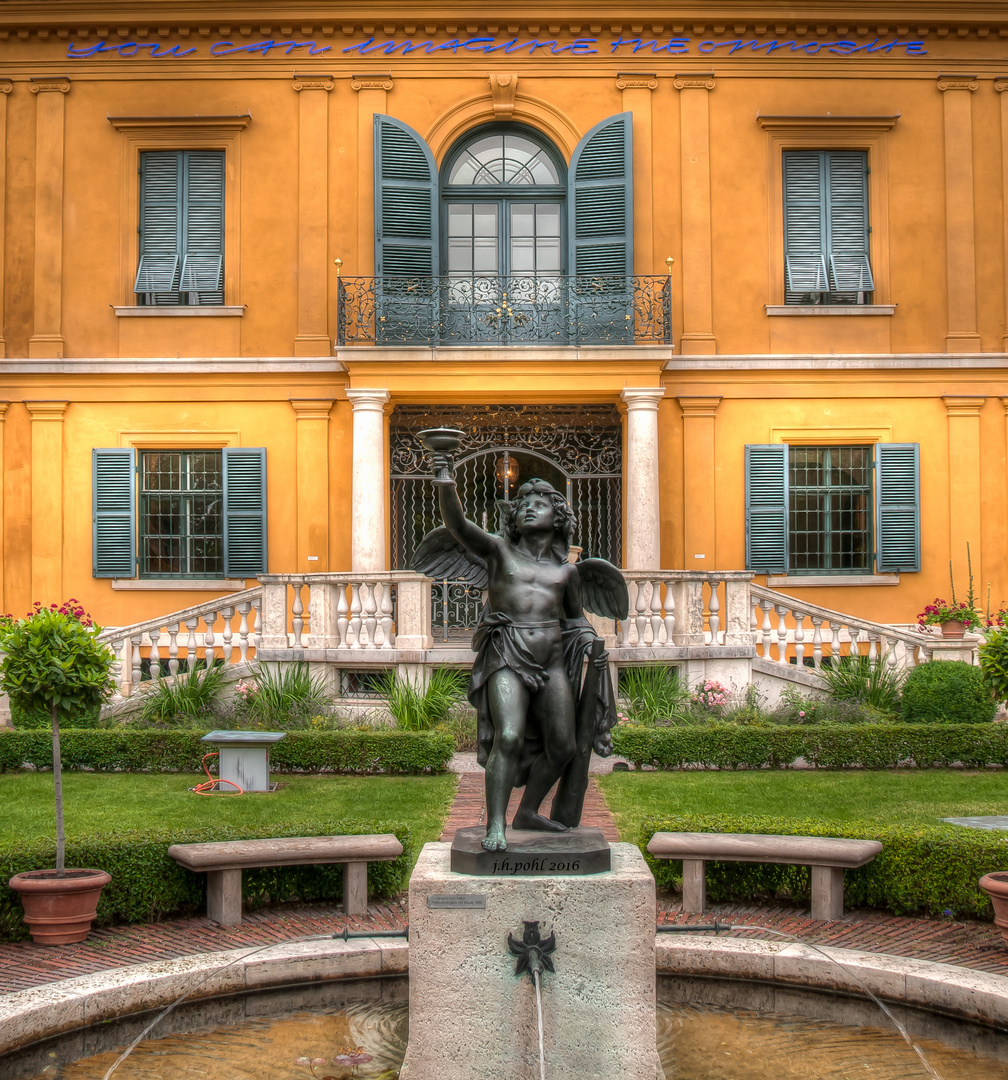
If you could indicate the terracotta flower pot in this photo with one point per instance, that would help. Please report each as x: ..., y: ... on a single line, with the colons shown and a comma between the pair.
x: 59, y: 910
x: 953, y: 628
x: 996, y: 887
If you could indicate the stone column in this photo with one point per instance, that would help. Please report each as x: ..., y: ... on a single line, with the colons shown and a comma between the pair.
x: 5, y: 88
x: 960, y: 249
x: 312, y: 484
x: 313, y: 216
x: 367, y: 523
x: 47, y: 337
x: 698, y: 309
x: 372, y: 94
x: 1001, y: 85
x: 643, y: 526
x: 47, y: 499
x: 699, y: 491
x: 5, y: 604
x: 964, y: 487
x: 637, y: 90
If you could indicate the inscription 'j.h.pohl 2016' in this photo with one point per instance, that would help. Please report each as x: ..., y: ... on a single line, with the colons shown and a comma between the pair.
x: 540, y: 709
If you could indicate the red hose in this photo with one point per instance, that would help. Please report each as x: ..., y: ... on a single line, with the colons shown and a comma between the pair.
x: 207, y: 788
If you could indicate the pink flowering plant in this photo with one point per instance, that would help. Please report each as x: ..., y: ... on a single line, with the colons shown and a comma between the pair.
x: 941, y: 611
x: 710, y: 697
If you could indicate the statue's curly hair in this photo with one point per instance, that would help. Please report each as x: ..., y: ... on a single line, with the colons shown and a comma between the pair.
x: 563, y: 517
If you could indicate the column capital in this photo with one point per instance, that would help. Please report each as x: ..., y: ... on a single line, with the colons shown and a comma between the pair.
x: 963, y: 406
x: 43, y: 86
x: 368, y: 400
x: 47, y: 410
x: 1004, y: 402
x: 957, y: 82
x: 313, y: 82
x: 636, y: 81
x: 699, y: 407
x: 1001, y: 83
x: 311, y: 408
x: 5, y: 405
x: 6, y: 86
x: 371, y: 82
x: 642, y: 397
x: 694, y: 82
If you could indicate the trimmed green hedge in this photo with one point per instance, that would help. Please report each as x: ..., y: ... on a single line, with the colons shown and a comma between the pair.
x: 947, y: 692
x: 825, y: 746
x: 147, y: 750
x: 933, y: 869
x: 147, y: 885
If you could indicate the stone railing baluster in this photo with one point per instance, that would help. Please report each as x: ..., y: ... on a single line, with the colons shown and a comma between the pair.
x: 226, y: 634
x: 817, y: 654
x: 173, y: 632
x: 136, y: 672
x: 243, y: 631
x: 342, y: 617
x: 799, y: 638
x: 155, y: 655
x: 208, y: 638
x: 781, y: 633
x: 370, y: 609
x: 354, y: 629
x: 669, y: 622
x: 297, y: 612
x: 657, y: 622
x: 191, y: 644
x: 386, y: 626
x: 714, y: 610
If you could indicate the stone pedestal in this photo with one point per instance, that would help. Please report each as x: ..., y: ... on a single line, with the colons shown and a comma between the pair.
x: 472, y: 1018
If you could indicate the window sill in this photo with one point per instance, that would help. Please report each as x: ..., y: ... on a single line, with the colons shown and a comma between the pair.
x: 219, y: 585
x: 180, y: 311
x: 830, y: 309
x: 811, y: 581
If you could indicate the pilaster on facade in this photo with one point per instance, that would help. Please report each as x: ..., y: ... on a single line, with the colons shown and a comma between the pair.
x: 637, y: 88
x: 312, y: 473
x: 47, y: 336
x: 643, y: 523
x: 699, y: 489
x: 47, y: 498
x: 372, y: 97
x: 965, y: 521
x: 313, y: 215
x: 5, y: 88
x: 367, y: 536
x: 1000, y: 86
x: 962, y: 335
x: 5, y: 605
x: 697, y: 255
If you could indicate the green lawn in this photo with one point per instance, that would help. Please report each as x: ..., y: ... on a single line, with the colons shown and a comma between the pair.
x: 921, y: 797
x: 103, y: 802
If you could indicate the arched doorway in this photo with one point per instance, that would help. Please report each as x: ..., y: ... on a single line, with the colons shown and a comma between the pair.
x: 576, y: 448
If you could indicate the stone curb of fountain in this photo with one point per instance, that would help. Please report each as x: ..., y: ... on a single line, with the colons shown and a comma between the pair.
x: 966, y: 994
x: 74, y: 1005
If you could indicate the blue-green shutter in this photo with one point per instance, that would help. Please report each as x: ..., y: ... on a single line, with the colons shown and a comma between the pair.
x: 846, y: 181
x: 804, y: 225
x: 897, y: 507
x: 113, y: 513
x: 244, y: 511
x: 766, y: 508
x: 202, y: 275
x: 161, y: 187
x: 600, y: 209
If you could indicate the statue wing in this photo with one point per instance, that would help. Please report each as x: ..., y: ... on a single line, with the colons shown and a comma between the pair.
x: 603, y: 590
x: 441, y: 556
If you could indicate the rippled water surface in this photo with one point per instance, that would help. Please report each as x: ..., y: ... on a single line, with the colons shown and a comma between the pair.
x: 695, y: 1043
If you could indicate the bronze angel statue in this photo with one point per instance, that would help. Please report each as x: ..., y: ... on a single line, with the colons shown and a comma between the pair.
x: 540, y: 709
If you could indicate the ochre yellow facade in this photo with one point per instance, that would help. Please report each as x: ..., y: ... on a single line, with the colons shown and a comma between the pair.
x: 287, y: 92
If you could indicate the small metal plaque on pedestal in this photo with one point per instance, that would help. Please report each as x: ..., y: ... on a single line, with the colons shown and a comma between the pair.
x: 531, y: 853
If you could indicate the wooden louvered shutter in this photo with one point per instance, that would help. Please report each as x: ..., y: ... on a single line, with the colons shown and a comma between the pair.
x: 846, y: 182
x: 159, y: 266
x: 407, y: 242
x: 600, y: 205
x: 897, y: 507
x: 766, y: 508
x: 804, y: 226
x: 202, y: 278
x: 113, y: 514
x: 244, y: 511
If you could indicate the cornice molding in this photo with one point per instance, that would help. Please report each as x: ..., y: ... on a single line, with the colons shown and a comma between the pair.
x: 145, y: 123
x: 963, y: 406
x: 833, y: 123
x: 699, y: 408
x: 47, y: 410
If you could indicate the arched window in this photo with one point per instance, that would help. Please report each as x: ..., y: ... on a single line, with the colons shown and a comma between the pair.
x: 504, y: 193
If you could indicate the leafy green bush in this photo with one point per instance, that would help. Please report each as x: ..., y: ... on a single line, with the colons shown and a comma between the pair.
x: 824, y: 746
x: 147, y: 750
x: 947, y: 692
x: 416, y: 707
x: 994, y: 662
x: 866, y: 681
x: 282, y: 696
x: 929, y: 869
x: 87, y: 716
x: 148, y: 885
x: 186, y: 697
x: 654, y: 694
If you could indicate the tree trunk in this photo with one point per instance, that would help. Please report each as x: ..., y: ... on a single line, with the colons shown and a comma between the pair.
x: 58, y: 788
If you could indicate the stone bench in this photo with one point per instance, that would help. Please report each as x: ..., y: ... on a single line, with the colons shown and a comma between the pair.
x: 223, y: 862
x: 827, y: 856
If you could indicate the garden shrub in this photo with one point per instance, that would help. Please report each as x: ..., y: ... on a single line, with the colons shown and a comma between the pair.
x: 994, y: 662
x: 654, y: 694
x: 40, y: 717
x: 947, y: 692
x: 824, y: 746
x: 148, y: 885
x: 147, y: 750
x: 932, y: 869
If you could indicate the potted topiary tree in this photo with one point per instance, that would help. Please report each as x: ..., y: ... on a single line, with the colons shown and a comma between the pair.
x: 52, y: 659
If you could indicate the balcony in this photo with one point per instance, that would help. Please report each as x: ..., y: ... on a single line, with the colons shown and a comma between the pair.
x: 440, y: 311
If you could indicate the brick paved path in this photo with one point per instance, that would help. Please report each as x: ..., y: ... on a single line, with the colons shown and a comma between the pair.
x: 24, y: 964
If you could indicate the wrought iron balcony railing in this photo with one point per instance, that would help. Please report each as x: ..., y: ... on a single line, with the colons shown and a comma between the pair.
x: 504, y: 310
